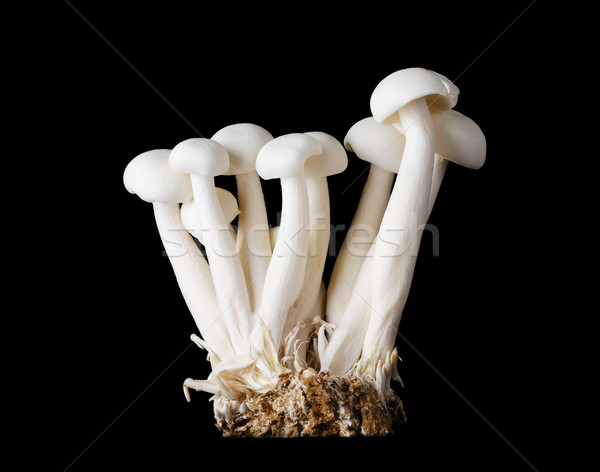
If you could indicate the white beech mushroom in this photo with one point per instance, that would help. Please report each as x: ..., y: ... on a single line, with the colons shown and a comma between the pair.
x: 149, y: 176
x: 331, y: 161
x: 458, y: 139
x: 284, y: 158
x: 204, y: 159
x: 402, y: 99
x: 189, y: 215
x: 243, y: 141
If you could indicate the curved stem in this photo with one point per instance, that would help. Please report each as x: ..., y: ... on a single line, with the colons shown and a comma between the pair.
x: 253, y: 243
x: 399, y: 236
x: 318, y: 245
x: 225, y: 266
x: 358, y: 240
x: 193, y: 275
x: 285, y: 274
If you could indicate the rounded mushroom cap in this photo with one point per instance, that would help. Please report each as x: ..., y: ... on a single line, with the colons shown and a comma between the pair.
x: 332, y: 160
x: 459, y: 139
x: 286, y: 155
x: 200, y: 156
x: 242, y: 141
x: 381, y: 145
x: 150, y: 177
x: 404, y: 86
x: 189, y: 215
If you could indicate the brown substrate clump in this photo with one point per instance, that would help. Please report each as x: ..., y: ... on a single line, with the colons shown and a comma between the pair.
x: 310, y: 403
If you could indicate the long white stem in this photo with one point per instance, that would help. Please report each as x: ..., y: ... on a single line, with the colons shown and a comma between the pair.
x: 399, y: 236
x: 225, y: 266
x: 358, y: 240
x: 253, y: 243
x: 285, y: 275
x: 319, y: 222
x: 193, y: 276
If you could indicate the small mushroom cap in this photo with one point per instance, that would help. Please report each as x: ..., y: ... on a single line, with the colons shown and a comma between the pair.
x: 459, y: 139
x: 381, y: 145
x: 242, y: 141
x: 332, y: 160
x: 150, y: 177
x: 200, y: 156
x: 404, y: 86
x: 189, y: 215
x: 286, y: 155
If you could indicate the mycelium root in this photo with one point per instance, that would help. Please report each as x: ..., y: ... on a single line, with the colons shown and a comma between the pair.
x: 311, y: 403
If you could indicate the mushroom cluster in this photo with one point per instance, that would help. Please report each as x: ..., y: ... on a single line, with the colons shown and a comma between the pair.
x: 288, y: 355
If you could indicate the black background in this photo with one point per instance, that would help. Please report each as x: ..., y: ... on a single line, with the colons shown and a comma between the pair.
x: 481, y: 349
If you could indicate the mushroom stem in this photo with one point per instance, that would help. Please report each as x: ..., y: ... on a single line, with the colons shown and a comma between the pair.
x: 253, y: 243
x: 458, y: 139
x: 319, y: 224
x: 439, y: 169
x: 345, y: 343
x: 358, y: 240
x: 399, y: 235
x: 285, y: 275
x: 319, y: 215
x: 225, y: 266
x: 192, y: 274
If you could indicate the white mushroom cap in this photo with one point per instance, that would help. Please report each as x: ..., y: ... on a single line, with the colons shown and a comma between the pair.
x: 286, y: 155
x: 459, y: 139
x: 189, y: 214
x: 381, y: 145
x: 228, y: 203
x: 150, y: 177
x: 200, y: 156
x: 332, y: 160
x: 404, y: 86
x: 242, y: 141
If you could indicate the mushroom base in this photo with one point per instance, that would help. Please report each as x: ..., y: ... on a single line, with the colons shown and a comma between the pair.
x: 310, y: 403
